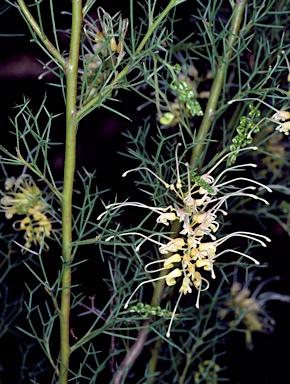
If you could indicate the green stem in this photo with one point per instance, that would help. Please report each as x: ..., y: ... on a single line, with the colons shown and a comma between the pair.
x: 156, y: 300
x: 47, y: 43
x: 218, y: 81
x: 68, y: 181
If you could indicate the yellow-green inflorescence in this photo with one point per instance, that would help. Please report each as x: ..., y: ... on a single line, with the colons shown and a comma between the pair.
x: 146, y: 310
x: 207, y: 371
x: 242, y: 305
x: 186, y: 97
x: 195, y: 249
x: 244, y: 130
x: 22, y: 197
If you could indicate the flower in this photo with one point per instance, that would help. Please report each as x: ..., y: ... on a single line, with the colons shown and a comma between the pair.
x: 196, y: 203
x: 284, y: 128
x: 173, y: 246
x: 207, y: 372
x: 23, y: 197
x: 170, y: 278
x: 281, y: 116
x: 176, y: 258
x: 246, y: 308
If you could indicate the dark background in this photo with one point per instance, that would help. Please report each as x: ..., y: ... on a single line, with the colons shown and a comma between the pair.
x: 99, y: 139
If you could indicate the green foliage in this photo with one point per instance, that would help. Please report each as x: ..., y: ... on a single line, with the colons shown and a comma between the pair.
x: 203, y: 129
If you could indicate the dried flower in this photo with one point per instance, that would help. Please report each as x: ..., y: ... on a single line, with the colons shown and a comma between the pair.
x: 247, y: 308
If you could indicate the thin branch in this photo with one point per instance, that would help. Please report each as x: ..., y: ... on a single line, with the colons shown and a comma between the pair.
x: 132, y: 354
x: 47, y: 43
x: 218, y: 80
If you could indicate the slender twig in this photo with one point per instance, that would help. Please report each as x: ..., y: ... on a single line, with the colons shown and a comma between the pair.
x: 218, y: 80
x: 132, y: 354
x: 47, y: 43
x: 95, y: 102
x: 69, y: 170
x: 39, y: 174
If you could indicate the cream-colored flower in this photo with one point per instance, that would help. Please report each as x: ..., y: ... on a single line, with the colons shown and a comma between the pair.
x: 185, y: 287
x: 173, y: 246
x: 207, y: 250
x: 205, y: 263
x: 284, y: 128
x: 170, y: 278
x: 168, y: 263
x: 164, y: 217
x: 281, y: 116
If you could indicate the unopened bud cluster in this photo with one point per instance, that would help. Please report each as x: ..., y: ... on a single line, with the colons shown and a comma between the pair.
x: 146, y: 310
x: 245, y: 129
x: 186, y: 98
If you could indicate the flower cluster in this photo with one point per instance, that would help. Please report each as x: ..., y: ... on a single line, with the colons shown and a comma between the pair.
x: 195, y: 249
x: 146, y: 310
x: 98, y: 66
x: 248, y: 308
x: 242, y: 304
x: 244, y: 130
x: 185, y: 90
x: 207, y: 370
x: 23, y: 197
x: 280, y: 117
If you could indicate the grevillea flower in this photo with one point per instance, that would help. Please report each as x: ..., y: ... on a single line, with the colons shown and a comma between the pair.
x: 202, y: 199
x: 24, y: 198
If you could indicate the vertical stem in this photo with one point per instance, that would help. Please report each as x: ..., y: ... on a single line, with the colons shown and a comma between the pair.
x: 156, y: 300
x: 68, y: 180
x: 218, y: 80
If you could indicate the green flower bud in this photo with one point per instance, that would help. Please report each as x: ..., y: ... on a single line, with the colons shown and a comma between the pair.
x: 173, y: 86
x: 182, y: 85
x: 183, y: 96
x: 167, y: 118
x: 190, y: 93
x: 177, y: 68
